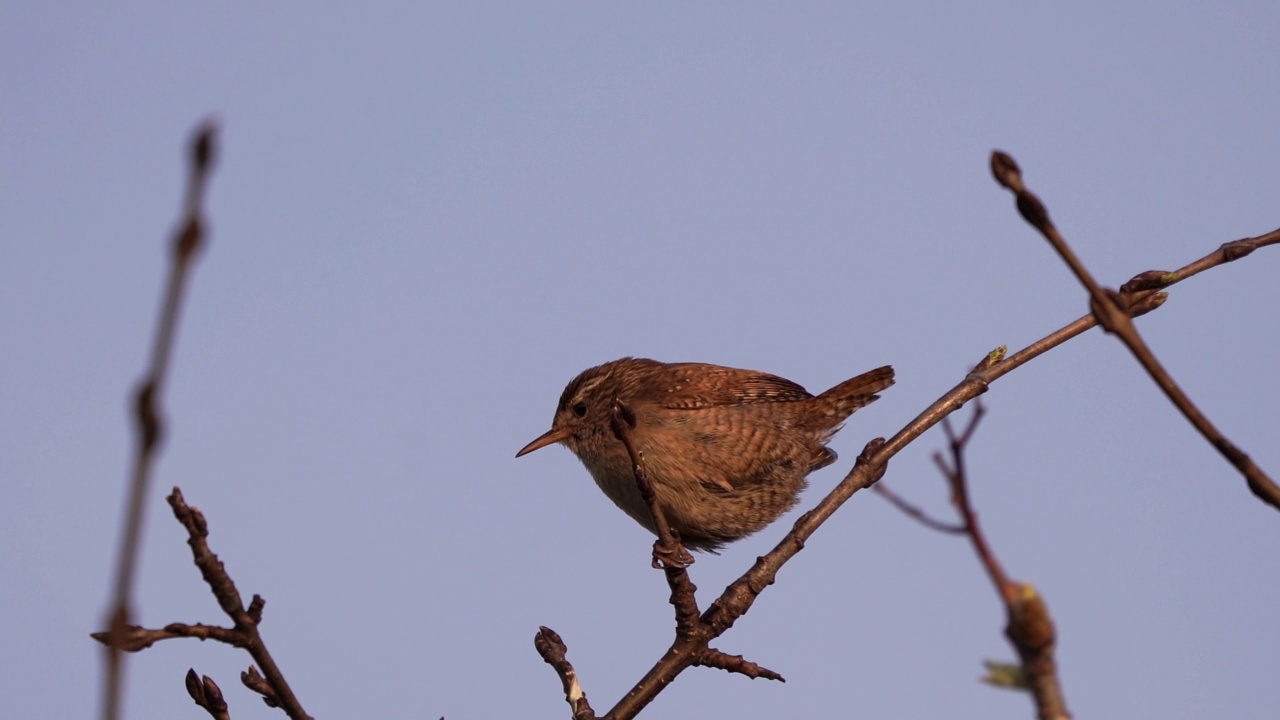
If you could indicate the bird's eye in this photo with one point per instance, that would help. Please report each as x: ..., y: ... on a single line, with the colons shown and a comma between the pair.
x: 580, y: 409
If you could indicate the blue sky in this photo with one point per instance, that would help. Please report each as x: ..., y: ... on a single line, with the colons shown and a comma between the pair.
x: 427, y: 218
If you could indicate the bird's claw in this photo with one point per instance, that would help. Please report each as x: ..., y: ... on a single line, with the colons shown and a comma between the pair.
x: 670, y: 557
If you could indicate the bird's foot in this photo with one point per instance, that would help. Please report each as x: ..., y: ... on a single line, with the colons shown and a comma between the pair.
x: 665, y: 556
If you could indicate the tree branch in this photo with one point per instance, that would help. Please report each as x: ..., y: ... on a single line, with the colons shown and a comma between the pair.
x: 1110, y: 308
x: 1141, y: 297
x: 554, y: 653
x: 1028, y: 625
x: 186, y: 242
x: 224, y: 589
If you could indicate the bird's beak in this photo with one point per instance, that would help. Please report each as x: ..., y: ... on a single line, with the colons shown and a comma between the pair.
x: 554, y: 435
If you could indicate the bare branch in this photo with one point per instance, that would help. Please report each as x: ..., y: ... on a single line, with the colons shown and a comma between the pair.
x: 872, y: 463
x: 738, y: 597
x: 553, y: 652
x: 957, y: 478
x: 1111, y: 309
x: 244, y: 634
x: 915, y: 512
x: 186, y: 241
x: 122, y: 636
x: 246, y: 619
x: 668, y: 553
x: 668, y: 550
x: 1028, y: 626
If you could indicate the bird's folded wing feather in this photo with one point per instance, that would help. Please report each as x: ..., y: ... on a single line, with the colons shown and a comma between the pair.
x: 699, y: 386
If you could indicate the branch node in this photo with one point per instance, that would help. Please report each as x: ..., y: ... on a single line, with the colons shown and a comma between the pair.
x: 1144, y: 304
x: 668, y: 551
x: 1149, y: 280
x: 992, y: 359
x: 1033, y: 210
x: 255, y: 609
x: 150, y: 427
x: 1237, y: 249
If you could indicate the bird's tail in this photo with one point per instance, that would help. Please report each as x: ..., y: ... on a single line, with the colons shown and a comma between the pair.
x: 838, y: 403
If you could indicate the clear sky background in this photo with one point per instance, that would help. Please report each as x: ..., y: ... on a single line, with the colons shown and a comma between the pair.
x: 428, y: 218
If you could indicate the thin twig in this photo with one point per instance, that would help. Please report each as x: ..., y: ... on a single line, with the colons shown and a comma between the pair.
x: 186, y: 242
x: 1111, y: 310
x: 139, y: 638
x: 244, y: 633
x: 957, y: 478
x: 668, y: 550
x: 554, y: 653
x: 1028, y: 625
x: 915, y: 512
x: 224, y: 589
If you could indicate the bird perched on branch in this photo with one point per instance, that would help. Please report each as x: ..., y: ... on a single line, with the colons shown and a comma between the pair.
x: 726, y: 450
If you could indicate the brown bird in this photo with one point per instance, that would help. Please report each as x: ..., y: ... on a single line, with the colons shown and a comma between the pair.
x: 726, y: 450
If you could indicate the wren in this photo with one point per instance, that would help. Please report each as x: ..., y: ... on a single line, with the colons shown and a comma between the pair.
x: 726, y: 450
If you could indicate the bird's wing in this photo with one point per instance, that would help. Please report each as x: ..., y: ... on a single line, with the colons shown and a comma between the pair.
x: 696, y: 385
